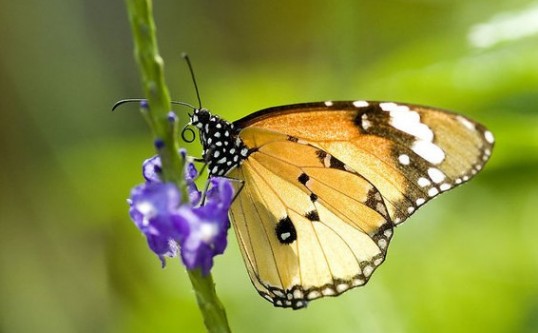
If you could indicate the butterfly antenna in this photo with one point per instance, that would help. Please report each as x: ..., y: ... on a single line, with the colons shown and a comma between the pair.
x: 138, y: 100
x: 124, y: 101
x: 188, y: 60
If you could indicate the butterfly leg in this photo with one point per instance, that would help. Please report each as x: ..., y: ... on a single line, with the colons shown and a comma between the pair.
x: 236, y: 188
x: 204, y: 165
x: 240, y: 186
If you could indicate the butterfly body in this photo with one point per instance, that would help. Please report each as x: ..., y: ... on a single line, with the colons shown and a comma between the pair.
x: 325, y: 183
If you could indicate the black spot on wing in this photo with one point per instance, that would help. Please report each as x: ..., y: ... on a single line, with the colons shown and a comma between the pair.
x: 312, y: 215
x: 337, y: 164
x: 321, y: 154
x: 303, y: 178
x: 285, y: 231
x: 330, y: 161
x: 372, y: 198
x: 375, y: 202
x: 292, y: 138
x: 313, y: 197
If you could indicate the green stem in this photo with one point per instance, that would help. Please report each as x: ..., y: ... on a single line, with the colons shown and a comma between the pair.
x: 152, y: 70
x: 151, y: 67
x: 212, y: 309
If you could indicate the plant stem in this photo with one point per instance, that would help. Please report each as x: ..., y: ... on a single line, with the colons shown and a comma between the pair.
x: 165, y: 132
x: 212, y: 309
x: 151, y: 67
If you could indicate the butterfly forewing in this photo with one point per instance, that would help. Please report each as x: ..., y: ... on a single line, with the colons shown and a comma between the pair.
x: 409, y: 153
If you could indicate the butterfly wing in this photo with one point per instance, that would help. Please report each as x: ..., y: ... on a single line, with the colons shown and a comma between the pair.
x: 409, y: 153
x: 324, y: 184
x: 306, y: 228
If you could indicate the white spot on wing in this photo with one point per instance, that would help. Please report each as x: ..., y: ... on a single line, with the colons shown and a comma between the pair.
x: 367, y: 270
x: 389, y: 107
x: 409, y: 122
x: 342, y: 287
x: 465, y: 122
x: 360, y: 104
x: 428, y: 151
x: 313, y: 294
x: 357, y: 282
x: 423, y: 182
x: 382, y: 243
x: 267, y: 297
x: 365, y: 122
x: 404, y: 159
x: 285, y: 235
x: 436, y: 175
x: 445, y: 187
x: 328, y: 103
x: 420, y: 201
x: 489, y: 137
x: 433, y: 192
x: 328, y: 291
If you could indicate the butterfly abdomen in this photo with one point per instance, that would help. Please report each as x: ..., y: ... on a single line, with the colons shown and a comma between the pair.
x: 222, y: 148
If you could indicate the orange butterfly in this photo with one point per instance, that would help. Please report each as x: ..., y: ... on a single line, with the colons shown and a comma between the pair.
x: 324, y: 185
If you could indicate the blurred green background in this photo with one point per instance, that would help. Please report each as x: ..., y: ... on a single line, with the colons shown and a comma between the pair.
x: 71, y: 260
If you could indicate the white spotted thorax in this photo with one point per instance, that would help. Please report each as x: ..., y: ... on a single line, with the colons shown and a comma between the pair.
x: 222, y: 149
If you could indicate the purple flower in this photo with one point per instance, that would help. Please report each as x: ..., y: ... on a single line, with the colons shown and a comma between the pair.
x: 209, y: 226
x: 196, y: 228
x: 151, y: 170
x: 153, y: 208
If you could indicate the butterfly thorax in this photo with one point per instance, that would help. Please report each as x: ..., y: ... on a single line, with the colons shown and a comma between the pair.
x: 223, y: 150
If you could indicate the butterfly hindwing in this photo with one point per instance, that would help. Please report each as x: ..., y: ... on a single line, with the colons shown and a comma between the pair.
x: 315, y: 228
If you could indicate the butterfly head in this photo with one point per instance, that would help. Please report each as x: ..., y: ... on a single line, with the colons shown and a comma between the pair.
x: 200, y: 117
x: 223, y: 150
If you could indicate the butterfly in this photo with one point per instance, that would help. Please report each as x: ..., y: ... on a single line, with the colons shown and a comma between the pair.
x: 323, y: 185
